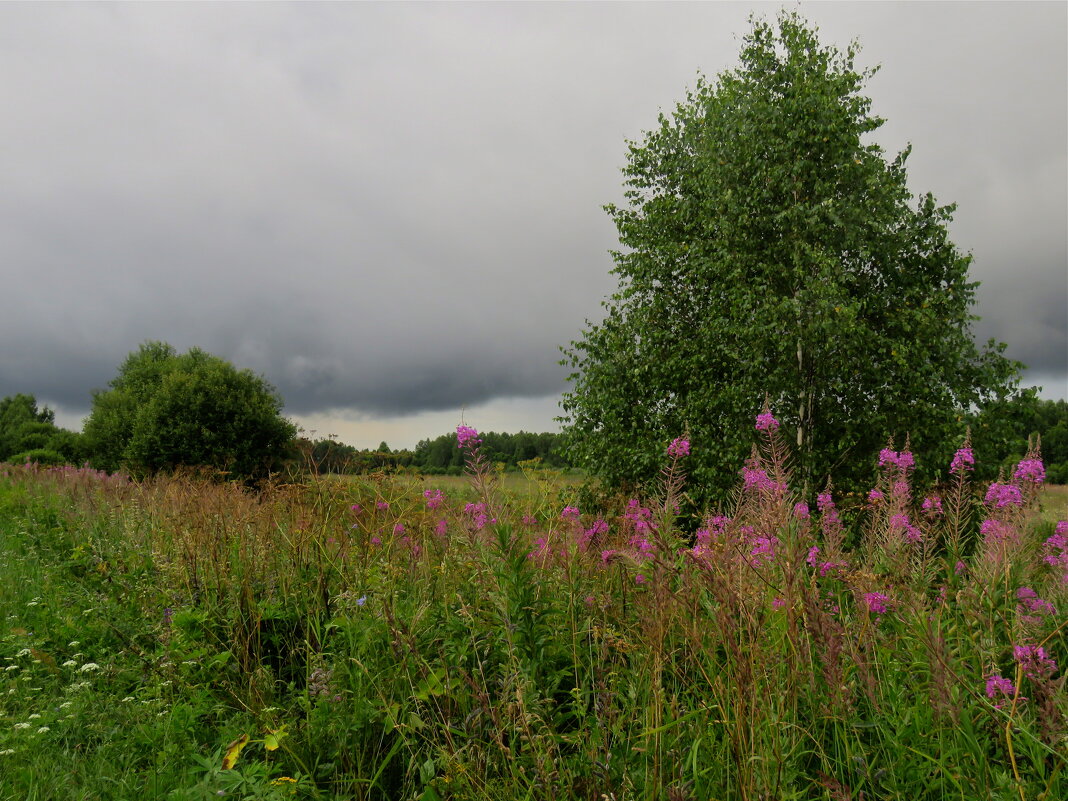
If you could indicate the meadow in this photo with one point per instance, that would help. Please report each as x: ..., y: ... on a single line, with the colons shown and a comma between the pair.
x: 394, y: 637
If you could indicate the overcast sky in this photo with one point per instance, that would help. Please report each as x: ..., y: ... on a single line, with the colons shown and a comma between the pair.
x: 393, y: 211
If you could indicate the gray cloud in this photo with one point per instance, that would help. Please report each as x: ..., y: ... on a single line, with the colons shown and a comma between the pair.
x: 395, y: 208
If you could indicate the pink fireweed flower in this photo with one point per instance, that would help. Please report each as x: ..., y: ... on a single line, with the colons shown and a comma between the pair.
x: 778, y: 603
x: 570, y: 513
x: 530, y: 520
x: 1031, y: 470
x: 757, y: 479
x: 900, y: 524
x: 801, y: 511
x: 1032, y: 608
x: 995, y: 532
x: 876, y: 602
x: 763, y: 550
x: 903, y: 460
x: 1000, y: 689
x: 376, y: 540
x: 606, y: 556
x: 467, y: 437
x: 639, y: 579
x: 1036, y: 663
x: 477, y: 513
x: 382, y: 505
x: 1055, y: 548
x: 678, y: 448
x: 813, y: 553
x: 875, y: 496
x: 1002, y: 495
x: 434, y: 498
x: 442, y: 528
x: 963, y: 460
x: 598, y: 528
x: 959, y: 568
x: 398, y: 528
x: 355, y: 508
x: 766, y: 422
x: 932, y: 505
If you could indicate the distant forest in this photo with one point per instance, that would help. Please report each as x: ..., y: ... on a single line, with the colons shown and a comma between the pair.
x: 433, y: 456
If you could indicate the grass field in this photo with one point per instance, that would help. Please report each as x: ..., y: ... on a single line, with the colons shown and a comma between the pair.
x: 406, y: 638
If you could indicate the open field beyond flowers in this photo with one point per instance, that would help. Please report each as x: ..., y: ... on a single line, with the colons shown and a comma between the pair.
x: 391, y: 638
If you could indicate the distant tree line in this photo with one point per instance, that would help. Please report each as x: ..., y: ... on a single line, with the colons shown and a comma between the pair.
x: 431, y: 456
x: 166, y: 411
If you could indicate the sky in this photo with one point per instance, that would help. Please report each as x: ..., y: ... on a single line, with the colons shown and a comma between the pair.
x: 393, y: 211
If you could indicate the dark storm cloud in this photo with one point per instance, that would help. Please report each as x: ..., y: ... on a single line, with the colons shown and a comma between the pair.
x: 397, y: 208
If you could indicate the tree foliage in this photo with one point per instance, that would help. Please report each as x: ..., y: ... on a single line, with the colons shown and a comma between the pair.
x: 166, y: 410
x: 770, y: 251
x: 29, y: 433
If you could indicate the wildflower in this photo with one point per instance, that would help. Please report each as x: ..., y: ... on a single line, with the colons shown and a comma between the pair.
x: 1031, y: 607
x: 876, y: 602
x: 763, y: 551
x: 355, y: 508
x: 996, y: 532
x: 1034, y: 660
x: 43, y: 730
x: 7, y: 752
x: 813, y: 552
x: 757, y: 479
x: 442, y: 528
x: 963, y: 460
x: 1000, y: 689
x: 382, y: 505
x: 959, y: 568
x: 477, y: 513
x: 778, y: 603
x: 678, y: 448
x: 1030, y: 470
x: 639, y: 579
x: 89, y: 667
x: 903, y: 460
x: 433, y: 498
x: 607, y: 555
x: 766, y: 422
x: 801, y: 511
x: 875, y: 496
x: 376, y: 540
x: 361, y: 600
x: 570, y: 513
x: 398, y: 528
x: 34, y: 716
x: 1002, y: 495
x: 932, y: 505
x: 22, y: 653
x: 22, y: 725
x: 467, y: 437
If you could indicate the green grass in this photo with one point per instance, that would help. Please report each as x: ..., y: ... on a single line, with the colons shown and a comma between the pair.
x: 146, y: 627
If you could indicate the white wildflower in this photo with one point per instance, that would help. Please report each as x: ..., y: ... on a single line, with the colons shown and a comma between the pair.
x: 7, y: 751
x: 34, y: 716
x: 127, y: 699
x: 22, y: 725
x: 88, y: 667
x: 69, y: 663
x: 43, y: 729
x: 74, y: 643
x: 22, y: 653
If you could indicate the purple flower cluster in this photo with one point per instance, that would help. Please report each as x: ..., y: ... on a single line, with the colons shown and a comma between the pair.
x: 903, y: 460
x: 1001, y: 495
x: 1000, y: 690
x: 963, y: 460
x: 598, y: 528
x: 1031, y: 470
x: 1031, y: 608
x: 641, y: 517
x: 1055, y: 549
x: 899, y: 524
x: 995, y: 532
x: 801, y: 511
x: 678, y: 448
x: 763, y: 550
x: 467, y: 437
x: 932, y: 505
x: 434, y: 498
x: 1036, y: 663
x: 757, y: 479
x: 570, y: 513
x: 766, y: 422
x: 478, y: 515
x: 876, y: 602
x: 875, y: 496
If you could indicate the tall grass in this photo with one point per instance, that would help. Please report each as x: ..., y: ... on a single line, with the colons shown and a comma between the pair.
x: 382, y: 639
